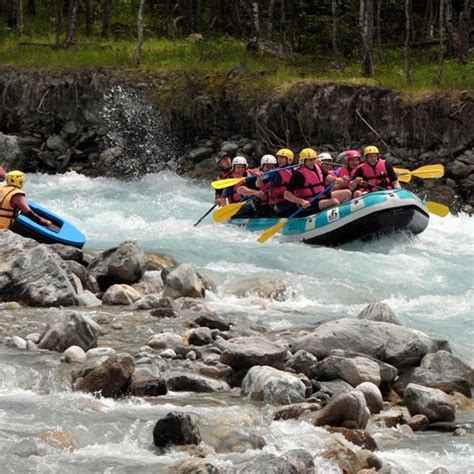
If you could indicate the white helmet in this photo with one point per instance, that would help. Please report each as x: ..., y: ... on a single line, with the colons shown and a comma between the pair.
x: 240, y: 160
x: 268, y: 160
x: 325, y: 157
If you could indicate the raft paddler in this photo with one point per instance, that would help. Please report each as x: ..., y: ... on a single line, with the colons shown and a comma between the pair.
x: 259, y: 187
x: 339, y: 191
x: 352, y: 160
x: 375, y: 172
x: 224, y: 163
x: 13, y: 201
x: 306, y: 182
x: 2, y: 174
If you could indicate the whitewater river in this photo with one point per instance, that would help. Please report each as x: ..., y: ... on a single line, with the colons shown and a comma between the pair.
x: 428, y: 281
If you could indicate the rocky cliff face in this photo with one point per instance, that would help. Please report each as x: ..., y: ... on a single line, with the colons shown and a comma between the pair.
x: 100, y: 123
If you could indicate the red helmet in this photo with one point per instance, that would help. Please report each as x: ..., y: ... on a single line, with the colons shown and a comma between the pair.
x: 352, y: 154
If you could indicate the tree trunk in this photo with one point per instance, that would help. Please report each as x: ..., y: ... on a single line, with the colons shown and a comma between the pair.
x: 106, y: 18
x: 71, y: 21
x: 378, y: 26
x: 283, y: 21
x: 366, y: 25
x: 19, y: 17
x: 58, y: 16
x: 449, y: 28
x: 271, y: 7
x: 256, y: 19
x: 464, y: 33
x: 430, y: 17
x: 334, y: 27
x: 442, y: 47
x: 138, y: 48
x: 408, y: 74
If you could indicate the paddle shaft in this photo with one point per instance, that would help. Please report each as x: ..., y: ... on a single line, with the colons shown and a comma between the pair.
x: 314, y: 198
x: 205, y: 215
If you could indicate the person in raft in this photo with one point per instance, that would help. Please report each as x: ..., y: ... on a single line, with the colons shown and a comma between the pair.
x: 224, y: 163
x: 306, y: 182
x: 2, y: 174
x: 339, y: 191
x: 259, y: 186
x: 375, y: 172
x: 13, y: 201
x: 352, y: 160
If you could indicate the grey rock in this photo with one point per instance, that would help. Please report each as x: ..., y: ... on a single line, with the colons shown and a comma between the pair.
x: 229, y: 147
x: 263, y: 287
x: 75, y: 330
x: 121, y: 294
x: 144, y: 383
x: 19, y: 342
x: 379, y: 312
x: 166, y: 340
x: 88, y: 299
x: 200, y: 153
x: 433, y: 403
x: 99, y: 352
x: 302, y: 362
x: 396, y: 345
x: 195, y: 383
x: 110, y: 156
x: 175, y: 429
x: 56, y: 143
x: 11, y: 155
x: 266, y: 463
x: 200, y: 336
x: 244, y: 352
x: 212, y: 322
x: 445, y: 363
x: 372, y: 395
x: 184, y: 281
x: 271, y: 385
x: 74, y: 354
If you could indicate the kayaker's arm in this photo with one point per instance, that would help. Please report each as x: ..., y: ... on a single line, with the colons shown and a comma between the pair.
x: 19, y: 202
x: 296, y: 181
x: 392, y: 176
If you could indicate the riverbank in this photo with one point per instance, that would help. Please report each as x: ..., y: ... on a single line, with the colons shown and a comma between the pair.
x: 104, y: 123
x: 189, y: 355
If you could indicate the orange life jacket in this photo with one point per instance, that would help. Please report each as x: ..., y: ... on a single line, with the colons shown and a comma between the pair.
x: 7, y: 212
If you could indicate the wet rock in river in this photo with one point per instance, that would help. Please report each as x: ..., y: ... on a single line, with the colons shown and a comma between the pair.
x: 302, y: 362
x: 123, y: 264
x: 379, y: 312
x: 443, y: 362
x: 265, y: 463
x: 200, y: 336
x: 301, y: 460
x: 295, y: 410
x: 272, y: 386
x: 372, y: 395
x: 358, y: 437
x: 348, y: 410
x: 121, y: 294
x: 175, y: 429
x: 184, y: 281
x: 167, y: 340
x: 262, y: 287
x: 110, y: 379
x: 150, y: 283
x: 433, y: 403
x: 74, y: 354
x: 199, y: 466
x: 396, y: 345
x: 212, y: 321
x: 156, y: 262
x: 75, y: 330
x: 397, y: 415
x: 189, y: 382
x: 145, y: 383
x: 244, y: 352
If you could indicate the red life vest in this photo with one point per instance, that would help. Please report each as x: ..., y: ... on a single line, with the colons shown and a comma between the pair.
x: 345, y: 171
x: 234, y: 196
x: 313, y: 182
x: 275, y: 194
x: 376, y: 176
x: 224, y: 174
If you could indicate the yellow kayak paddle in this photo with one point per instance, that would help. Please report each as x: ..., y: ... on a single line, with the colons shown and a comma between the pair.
x: 224, y: 213
x: 424, y: 172
x: 226, y: 183
x: 437, y: 208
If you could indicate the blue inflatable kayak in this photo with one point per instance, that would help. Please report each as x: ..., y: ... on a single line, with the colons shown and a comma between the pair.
x: 60, y: 232
x: 373, y: 214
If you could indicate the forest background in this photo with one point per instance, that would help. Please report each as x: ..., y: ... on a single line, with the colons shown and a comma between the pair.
x: 402, y: 44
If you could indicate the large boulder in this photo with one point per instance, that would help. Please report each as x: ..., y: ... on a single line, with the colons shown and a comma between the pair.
x: 110, y: 379
x: 379, y: 312
x: 121, y: 294
x: 348, y: 410
x: 443, y: 362
x: 74, y: 329
x: 244, y: 352
x: 372, y: 395
x: 185, y: 281
x: 272, y: 386
x: 431, y: 402
x: 123, y: 264
x: 396, y: 345
x: 33, y: 274
x: 11, y: 155
x: 446, y: 382
x: 145, y: 383
x: 175, y: 429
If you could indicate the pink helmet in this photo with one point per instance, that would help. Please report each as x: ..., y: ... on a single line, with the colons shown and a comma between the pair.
x: 352, y: 154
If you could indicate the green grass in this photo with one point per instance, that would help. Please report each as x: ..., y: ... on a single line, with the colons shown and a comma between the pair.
x: 218, y: 57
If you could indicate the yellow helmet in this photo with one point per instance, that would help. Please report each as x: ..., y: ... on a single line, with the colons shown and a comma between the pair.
x: 287, y: 153
x: 371, y: 149
x: 16, y: 178
x: 308, y: 154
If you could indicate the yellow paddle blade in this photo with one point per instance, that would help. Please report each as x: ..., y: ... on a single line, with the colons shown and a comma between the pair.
x: 404, y: 175
x: 226, y: 183
x: 436, y: 208
x: 270, y: 232
x: 223, y: 214
x: 429, y: 172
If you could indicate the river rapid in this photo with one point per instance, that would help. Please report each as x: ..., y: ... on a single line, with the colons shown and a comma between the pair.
x: 427, y: 280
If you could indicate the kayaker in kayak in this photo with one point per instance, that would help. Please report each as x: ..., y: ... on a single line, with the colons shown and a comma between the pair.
x: 375, y: 172
x: 224, y: 163
x: 307, y: 181
x: 13, y: 201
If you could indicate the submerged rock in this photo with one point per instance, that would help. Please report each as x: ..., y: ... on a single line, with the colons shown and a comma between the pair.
x: 263, y: 287
x: 175, y: 429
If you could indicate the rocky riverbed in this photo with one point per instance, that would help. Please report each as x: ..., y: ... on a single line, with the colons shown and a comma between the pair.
x: 137, y: 328
x: 104, y: 123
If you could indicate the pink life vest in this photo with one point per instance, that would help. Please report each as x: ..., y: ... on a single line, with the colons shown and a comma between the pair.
x: 313, y: 182
x: 377, y: 177
x: 345, y: 171
x: 235, y: 196
x: 275, y: 194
